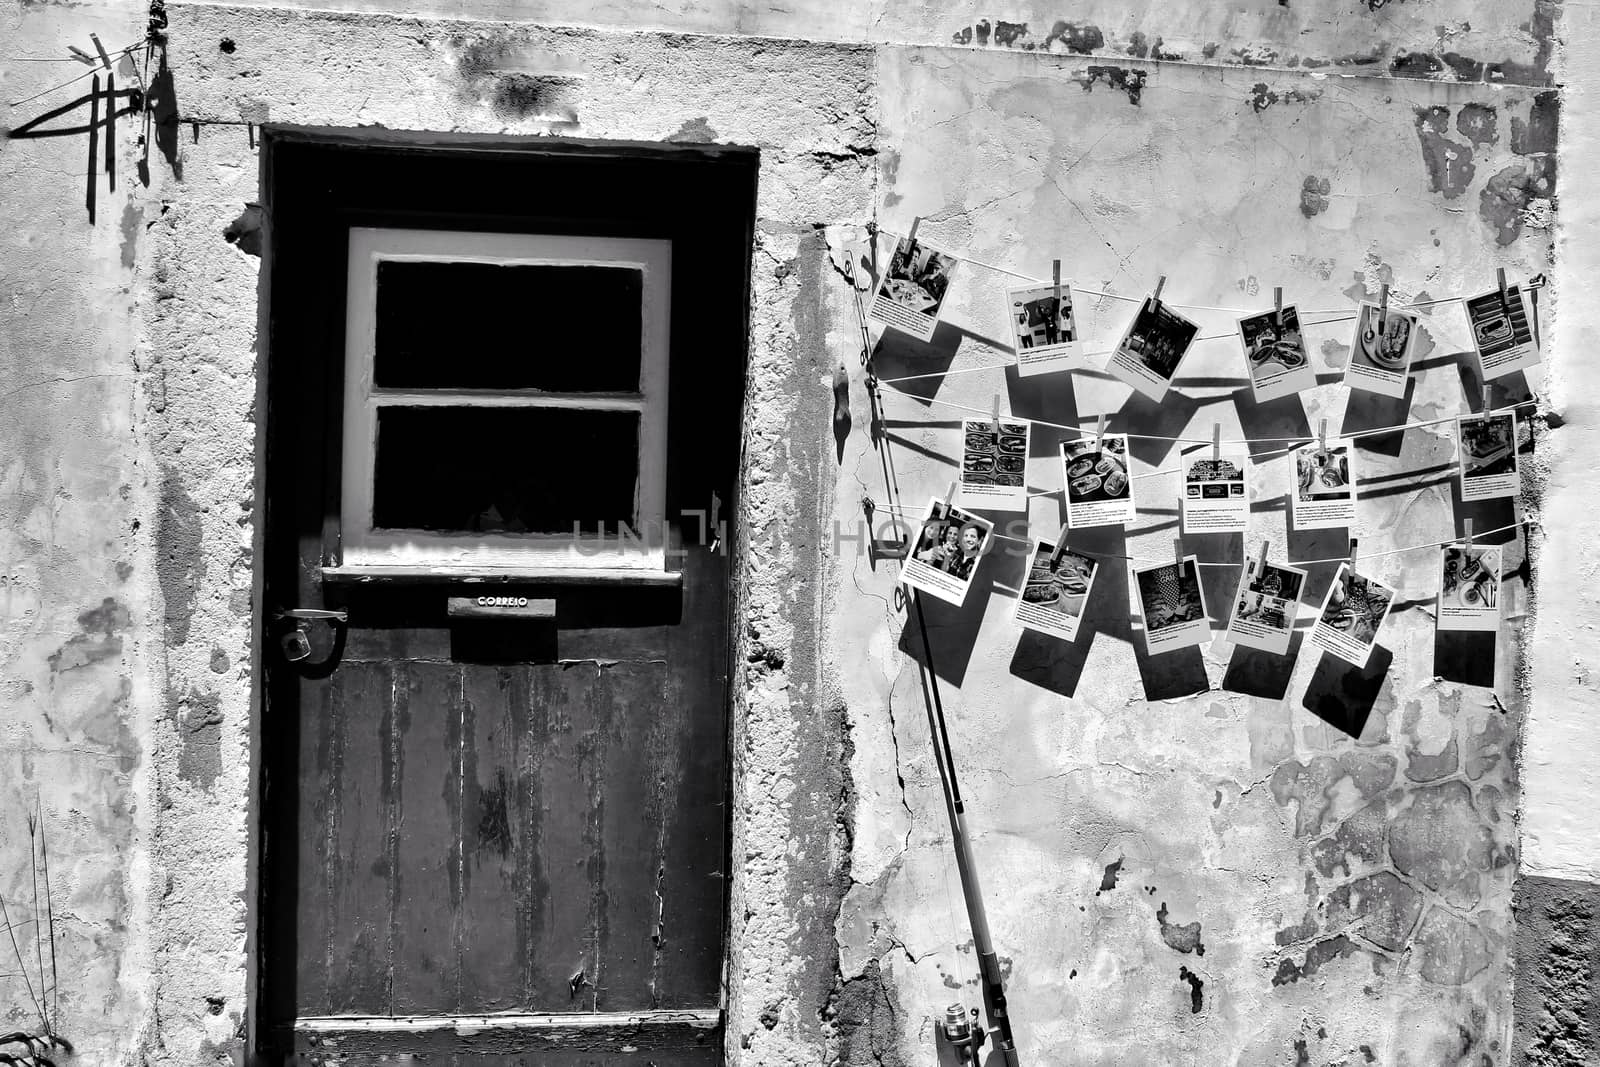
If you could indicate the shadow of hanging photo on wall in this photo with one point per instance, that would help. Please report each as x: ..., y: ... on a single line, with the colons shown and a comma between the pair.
x: 1257, y: 673
x: 1051, y: 663
x: 1343, y: 695
x: 1373, y: 411
x: 1271, y: 426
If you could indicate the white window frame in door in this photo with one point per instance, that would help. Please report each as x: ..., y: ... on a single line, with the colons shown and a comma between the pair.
x: 366, y: 549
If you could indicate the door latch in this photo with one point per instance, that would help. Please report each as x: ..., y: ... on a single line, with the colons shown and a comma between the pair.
x: 296, y: 641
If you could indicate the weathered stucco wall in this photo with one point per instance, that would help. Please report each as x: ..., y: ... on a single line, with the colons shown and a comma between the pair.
x: 1172, y: 878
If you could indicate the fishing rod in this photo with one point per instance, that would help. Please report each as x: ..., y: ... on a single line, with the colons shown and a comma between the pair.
x: 959, y: 1039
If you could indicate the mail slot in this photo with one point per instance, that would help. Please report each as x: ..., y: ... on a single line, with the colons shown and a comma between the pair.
x: 501, y: 606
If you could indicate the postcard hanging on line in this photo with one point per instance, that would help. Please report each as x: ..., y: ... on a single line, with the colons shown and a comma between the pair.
x: 1044, y: 329
x: 1275, y: 351
x: 913, y: 288
x: 1054, y: 597
x: 994, y: 466
x: 1486, y: 446
x: 1469, y: 587
x: 1214, y: 497
x: 1098, y: 486
x: 1148, y: 355
x: 1324, y: 495
x: 946, y: 552
x: 1172, y: 606
x: 1352, y: 614
x: 1502, y: 332
x: 1266, y: 606
x: 1381, y: 351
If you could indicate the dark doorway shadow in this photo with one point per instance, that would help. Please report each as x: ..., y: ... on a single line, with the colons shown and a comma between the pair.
x: 1342, y: 695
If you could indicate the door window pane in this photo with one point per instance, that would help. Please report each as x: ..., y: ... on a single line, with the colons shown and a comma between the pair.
x: 505, y: 470
x: 554, y: 327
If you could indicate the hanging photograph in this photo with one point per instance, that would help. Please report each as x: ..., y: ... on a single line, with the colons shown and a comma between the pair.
x: 947, y: 552
x: 1099, y: 489
x: 1380, y: 352
x: 913, y: 289
x: 1214, y: 497
x: 1057, y: 589
x: 1148, y: 356
x: 994, y: 466
x: 1351, y: 616
x: 1172, y: 606
x: 1486, y: 446
x: 1469, y: 587
x: 1502, y: 332
x: 1043, y: 328
x: 1275, y: 351
x: 1324, y: 494
x: 1266, y: 606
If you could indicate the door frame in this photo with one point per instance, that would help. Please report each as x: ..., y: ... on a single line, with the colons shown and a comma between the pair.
x: 312, y: 176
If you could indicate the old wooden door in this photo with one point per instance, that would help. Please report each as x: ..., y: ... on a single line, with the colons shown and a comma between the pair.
x: 497, y: 840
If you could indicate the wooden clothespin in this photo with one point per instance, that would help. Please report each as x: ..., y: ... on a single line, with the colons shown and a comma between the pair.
x: 1177, y: 551
x: 1505, y: 297
x: 1352, y: 555
x: 1216, y: 442
x: 994, y: 413
x: 1055, y: 280
x: 950, y: 495
x: 1061, y: 546
x: 1100, y: 434
x: 1261, y: 560
x: 1277, y: 304
x: 1322, y: 437
x: 1383, y: 307
x: 105, y: 59
x: 911, y: 234
x: 1467, y: 528
x: 1160, y: 284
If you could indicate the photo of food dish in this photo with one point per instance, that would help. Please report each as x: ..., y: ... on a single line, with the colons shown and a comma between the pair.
x: 1383, y: 338
x: 1488, y: 445
x: 1269, y: 596
x: 1274, y: 337
x: 1096, y: 474
x: 1470, y: 577
x: 1323, y: 475
x: 1356, y: 607
x: 1057, y: 590
x: 994, y: 464
x: 917, y: 278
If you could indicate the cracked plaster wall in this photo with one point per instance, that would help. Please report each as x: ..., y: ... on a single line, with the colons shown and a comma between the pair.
x: 1214, y: 878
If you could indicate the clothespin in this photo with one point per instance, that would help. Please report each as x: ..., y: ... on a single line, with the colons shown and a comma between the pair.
x: 1467, y: 527
x: 1322, y: 437
x: 1055, y: 279
x: 950, y: 495
x: 1352, y: 555
x: 994, y: 413
x: 1061, y: 546
x: 1160, y: 283
x: 1277, y: 304
x: 1216, y: 442
x: 100, y: 48
x: 1261, y: 560
x: 1383, y: 307
x: 1100, y: 434
x: 1177, y: 551
x: 1505, y: 297
x: 911, y: 234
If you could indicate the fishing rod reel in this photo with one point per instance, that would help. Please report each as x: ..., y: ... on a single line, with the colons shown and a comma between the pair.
x: 958, y: 1038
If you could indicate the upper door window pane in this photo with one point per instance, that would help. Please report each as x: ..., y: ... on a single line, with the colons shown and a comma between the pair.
x: 563, y: 328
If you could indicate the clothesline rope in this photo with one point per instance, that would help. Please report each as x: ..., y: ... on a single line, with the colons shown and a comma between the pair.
x: 1535, y: 283
x: 1305, y: 438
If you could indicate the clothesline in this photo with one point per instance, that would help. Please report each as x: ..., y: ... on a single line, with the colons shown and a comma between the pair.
x: 1535, y: 283
x: 1477, y: 536
x: 1376, y: 431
